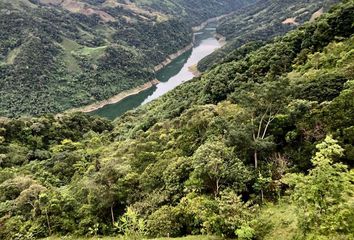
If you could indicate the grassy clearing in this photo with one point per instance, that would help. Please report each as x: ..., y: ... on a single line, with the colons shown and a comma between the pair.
x: 69, y: 47
x: 92, y: 53
x: 12, y: 55
x: 281, y: 220
x: 282, y: 217
x: 193, y: 238
x: 72, y: 48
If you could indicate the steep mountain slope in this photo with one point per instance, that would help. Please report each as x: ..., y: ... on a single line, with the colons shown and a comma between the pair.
x: 262, y: 22
x: 55, y: 55
x: 259, y: 147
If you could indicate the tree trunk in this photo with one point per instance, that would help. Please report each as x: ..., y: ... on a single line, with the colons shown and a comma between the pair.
x: 255, y: 159
x: 217, y: 188
x: 112, y: 214
x: 49, y: 228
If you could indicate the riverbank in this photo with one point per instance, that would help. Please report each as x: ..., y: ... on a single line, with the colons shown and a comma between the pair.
x: 117, y: 98
x: 210, y: 20
x: 194, y: 70
x: 195, y: 29
x: 221, y: 39
x: 173, y: 56
x: 122, y: 95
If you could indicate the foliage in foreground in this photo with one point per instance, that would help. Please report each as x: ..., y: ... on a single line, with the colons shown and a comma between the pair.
x: 232, y: 153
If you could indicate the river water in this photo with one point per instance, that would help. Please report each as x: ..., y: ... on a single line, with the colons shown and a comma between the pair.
x: 170, y: 76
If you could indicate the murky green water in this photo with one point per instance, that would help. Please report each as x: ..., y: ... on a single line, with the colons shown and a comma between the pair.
x: 170, y: 76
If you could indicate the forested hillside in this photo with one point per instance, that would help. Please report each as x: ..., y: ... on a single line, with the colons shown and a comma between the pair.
x: 260, y: 147
x: 56, y: 55
x: 261, y: 22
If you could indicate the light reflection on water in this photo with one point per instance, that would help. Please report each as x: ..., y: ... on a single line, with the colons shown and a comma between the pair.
x: 170, y: 76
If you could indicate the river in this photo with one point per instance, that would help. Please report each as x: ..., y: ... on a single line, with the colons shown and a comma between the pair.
x: 174, y: 74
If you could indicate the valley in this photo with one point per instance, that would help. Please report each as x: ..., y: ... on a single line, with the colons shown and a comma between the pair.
x: 170, y: 76
x: 248, y: 140
x: 60, y: 55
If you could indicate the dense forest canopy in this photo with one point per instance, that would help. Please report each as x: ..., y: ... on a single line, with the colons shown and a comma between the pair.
x: 56, y: 55
x: 258, y: 147
x: 261, y: 22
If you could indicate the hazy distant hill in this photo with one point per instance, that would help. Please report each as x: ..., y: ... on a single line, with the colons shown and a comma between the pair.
x: 59, y: 54
x: 261, y: 22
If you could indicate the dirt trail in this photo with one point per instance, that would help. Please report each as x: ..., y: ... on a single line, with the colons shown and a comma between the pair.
x: 290, y: 21
x: 316, y: 14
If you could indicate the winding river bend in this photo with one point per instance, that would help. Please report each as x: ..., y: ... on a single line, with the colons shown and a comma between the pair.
x: 174, y: 74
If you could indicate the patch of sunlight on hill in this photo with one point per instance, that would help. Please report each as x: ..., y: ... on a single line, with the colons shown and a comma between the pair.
x: 69, y: 47
x: 92, y: 53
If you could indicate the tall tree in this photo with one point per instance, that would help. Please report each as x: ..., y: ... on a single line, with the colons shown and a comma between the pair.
x: 325, y: 197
